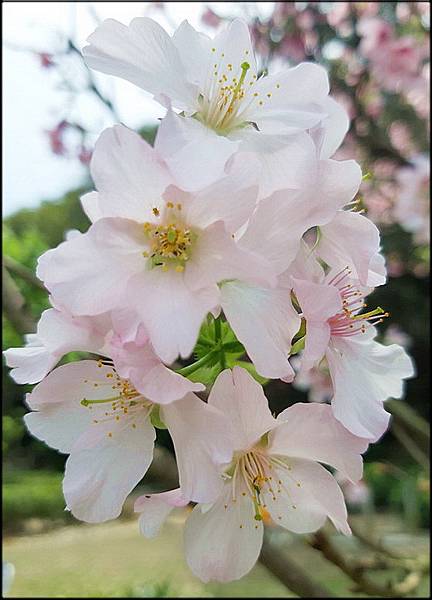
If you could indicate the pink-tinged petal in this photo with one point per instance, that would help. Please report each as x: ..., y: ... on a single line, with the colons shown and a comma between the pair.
x: 274, y: 152
x: 143, y: 54
x: 193, y: 47
x: 216, y: 257
x: 59, y: 418
x: 231, y: 199
x: 351, y: 239
x: 141, y: 366
x: 128, y: 174
x: 31, y: 363
x: 202, y: 442
x: 57, y: 334
x: 274, y: 324
x: 224, y: 542
x: 293, y: 98
x: 241, y: 399
x: 233, y: 46
x: 364, y: 375
x: 275, y: 230
x: 304, y: 496
x: 318, y: 302
x: 195, y: 155
x: 98, y: 479
x: 89, y: 274
x: 90, y: 205
x: 316, y: 343
x: 311, y: 431
x: 333, y: 128
x: 305, y: 266
x: 155, y: 508
x: 171, y: 312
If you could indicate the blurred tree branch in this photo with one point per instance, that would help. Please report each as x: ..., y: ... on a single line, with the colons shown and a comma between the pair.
x: 356, y: 570
x: 14, y: 305
x: 289, y: 573
x: 23, y: 272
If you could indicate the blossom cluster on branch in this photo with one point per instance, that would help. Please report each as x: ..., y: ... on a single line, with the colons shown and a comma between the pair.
x: 235, y: 235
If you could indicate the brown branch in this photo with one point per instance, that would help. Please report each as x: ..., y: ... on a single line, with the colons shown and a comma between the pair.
x: 289, y: 573
x: 356, y: 572
x: 23, y: 272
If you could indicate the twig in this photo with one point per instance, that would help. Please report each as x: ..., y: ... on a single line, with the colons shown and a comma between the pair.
x: 410, y: 446
x: 23, y: 272
x: 409, y: 417
x: 356, y: 572
x: 290, y: 574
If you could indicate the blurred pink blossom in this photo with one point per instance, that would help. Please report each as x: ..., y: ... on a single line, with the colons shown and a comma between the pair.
x: 412, y: 204
x: 210, y: 18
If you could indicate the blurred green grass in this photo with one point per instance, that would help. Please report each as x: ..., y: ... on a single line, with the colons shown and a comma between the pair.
x: 113, y: 560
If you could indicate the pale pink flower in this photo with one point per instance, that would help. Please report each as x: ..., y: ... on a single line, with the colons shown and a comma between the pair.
x: 412, y: 205
x: 364, y: 373
x: 160, y: 253
x: 274, y: 472
x: 99, y: 412
x: 216, y: 82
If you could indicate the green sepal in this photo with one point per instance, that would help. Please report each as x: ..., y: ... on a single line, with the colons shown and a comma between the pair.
x: 155, y: 419
x: 249, y: 368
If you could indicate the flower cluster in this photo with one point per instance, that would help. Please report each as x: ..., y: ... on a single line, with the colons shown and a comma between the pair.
x: 237, y: 233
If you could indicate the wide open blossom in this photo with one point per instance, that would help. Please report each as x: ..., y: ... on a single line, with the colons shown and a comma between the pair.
x: 216, y: 82
x: 99, y: 412
x: 364, y: 373
x: 159, y: 253
x: 275, y: 472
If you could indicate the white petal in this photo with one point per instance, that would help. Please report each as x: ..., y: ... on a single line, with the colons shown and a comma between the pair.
x: 351, y: 239
x: 223, y: 544
x: 155, y: 508
x: 145, y: 55
x: 89, y: 273
x: 129, y: 175
x: 141, y: 366
x: 90, y: 205
x: 59, y: 418
x: 275, y: 322
x: 98, y: 479
x: 311, y: 431
x: 195, y: 155
x: 304, y: 508
x: 364, y: 374
x: 274, y: 153
x: 171, y: 312
x: 334, y: 127
x: 194, y: 49
x: 216, y: 257
x: 241, y: 399
x: 202, y: 442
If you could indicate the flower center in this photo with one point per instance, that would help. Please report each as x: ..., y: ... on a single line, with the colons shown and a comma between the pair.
x: 170, y: 242
x: 350, y: 321
x: 124, y: 404
x: 223, y: 101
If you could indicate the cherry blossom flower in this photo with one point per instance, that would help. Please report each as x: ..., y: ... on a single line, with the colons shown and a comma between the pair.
x: 275, y: 472
x: 99, y: 412
x: 364, y: 373
x: 412, y: 208
x: 215, y: 81
x: 159, y: 253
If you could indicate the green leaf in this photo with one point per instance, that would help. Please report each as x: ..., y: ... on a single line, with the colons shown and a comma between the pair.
x: 249, y: 368
x: 297, y: 346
